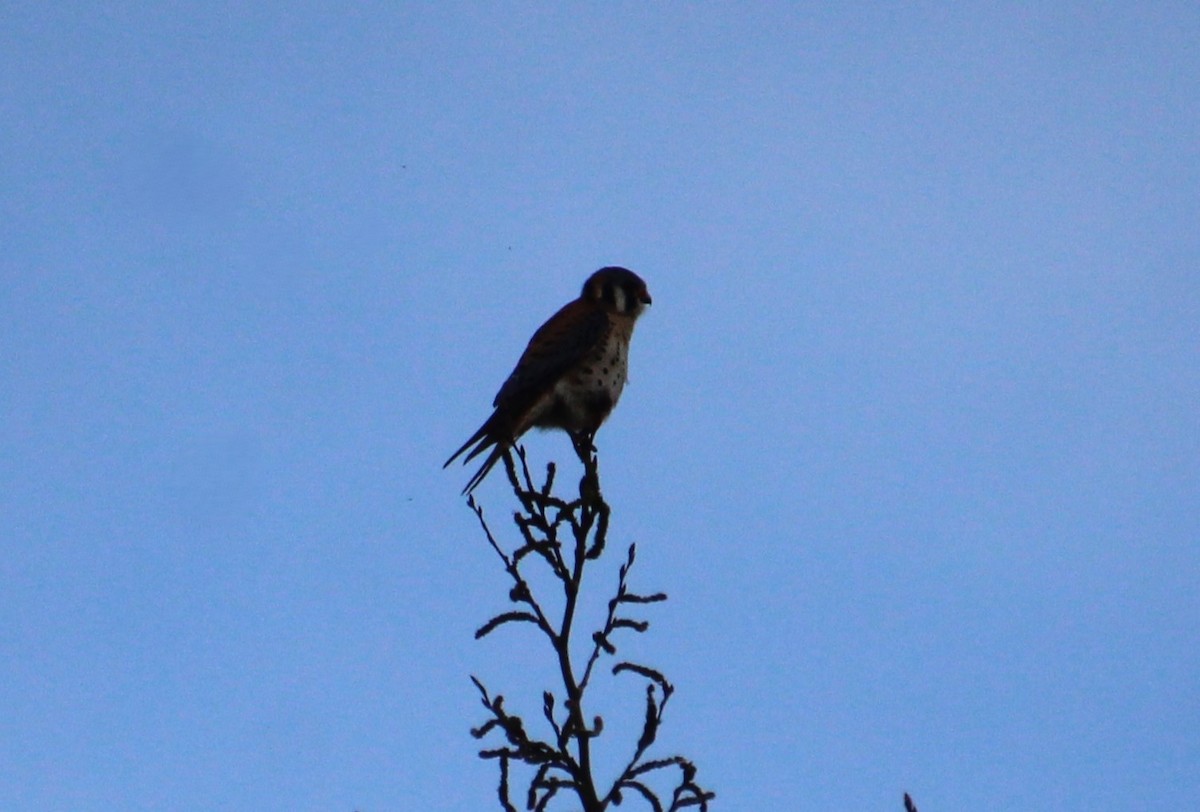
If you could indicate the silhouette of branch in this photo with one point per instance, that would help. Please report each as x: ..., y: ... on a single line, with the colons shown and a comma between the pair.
x: 564, y: 535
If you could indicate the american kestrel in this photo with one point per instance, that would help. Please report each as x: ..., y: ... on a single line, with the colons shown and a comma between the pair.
x: 571, y: 374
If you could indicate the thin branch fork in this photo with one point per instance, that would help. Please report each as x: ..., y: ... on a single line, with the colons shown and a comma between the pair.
x: 565, y: 535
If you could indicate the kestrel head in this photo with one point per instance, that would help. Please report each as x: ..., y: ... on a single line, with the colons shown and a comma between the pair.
x: 617, y: 290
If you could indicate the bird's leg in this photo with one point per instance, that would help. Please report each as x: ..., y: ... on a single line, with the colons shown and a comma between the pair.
x: 585, y: 448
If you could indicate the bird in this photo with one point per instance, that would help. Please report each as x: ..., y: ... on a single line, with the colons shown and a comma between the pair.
x: 571, y: 373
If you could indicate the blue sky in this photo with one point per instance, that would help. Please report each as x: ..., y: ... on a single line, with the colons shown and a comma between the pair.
x: 910, y: 439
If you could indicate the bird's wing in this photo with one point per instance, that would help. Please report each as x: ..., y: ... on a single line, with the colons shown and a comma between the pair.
x: 559, y: 344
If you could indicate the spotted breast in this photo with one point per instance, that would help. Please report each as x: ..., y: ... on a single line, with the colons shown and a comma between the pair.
x: 584, y: 398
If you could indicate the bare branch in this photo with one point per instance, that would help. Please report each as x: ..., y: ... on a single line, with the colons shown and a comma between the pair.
x: 507, y: 617
x: 564, y: 535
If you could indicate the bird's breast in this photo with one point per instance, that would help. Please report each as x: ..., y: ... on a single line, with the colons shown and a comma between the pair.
x: 585, y: 396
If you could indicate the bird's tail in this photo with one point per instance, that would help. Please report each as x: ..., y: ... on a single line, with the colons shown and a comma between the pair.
x: 483, y: 439
x: 480, y: 437
x: 498, y: 451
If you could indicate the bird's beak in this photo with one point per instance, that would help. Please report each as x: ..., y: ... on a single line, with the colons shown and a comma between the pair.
x: 644, y: 298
